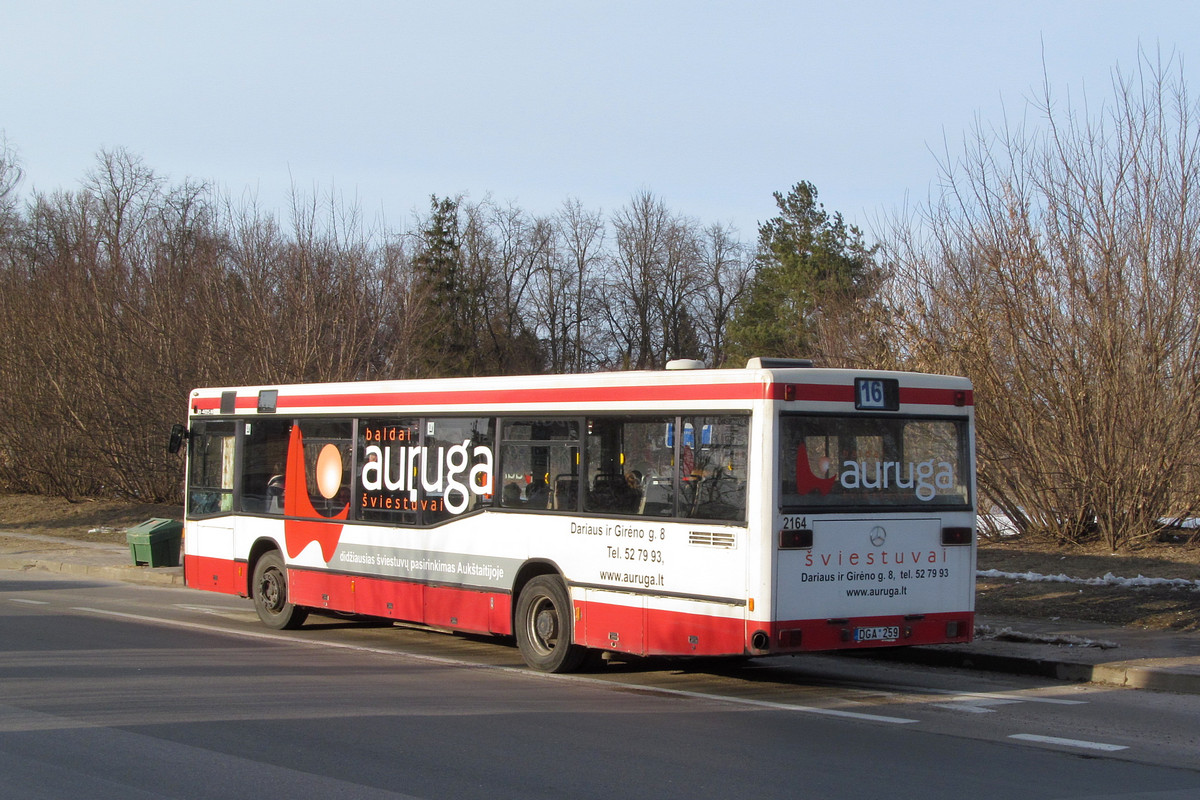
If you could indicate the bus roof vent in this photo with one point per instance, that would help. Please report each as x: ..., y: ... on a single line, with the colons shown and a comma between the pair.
x: 778, y: 363
x: 685, y: 363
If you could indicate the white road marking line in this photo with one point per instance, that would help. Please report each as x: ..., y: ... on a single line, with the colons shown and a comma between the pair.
x: 282, y: 639
x: 968, y: 709
x: 218, y: 611
x: 829, y: 712
x: 977, y: 705
x: 1017, y: 698
x: 1032, y: 737
x: 30, y: 602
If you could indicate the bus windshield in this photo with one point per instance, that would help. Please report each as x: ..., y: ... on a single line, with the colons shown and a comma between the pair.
x: 869, y: 462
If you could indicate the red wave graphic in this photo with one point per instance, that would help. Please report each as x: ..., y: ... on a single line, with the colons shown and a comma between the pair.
x: 806, y: 481
x: 297, y: 533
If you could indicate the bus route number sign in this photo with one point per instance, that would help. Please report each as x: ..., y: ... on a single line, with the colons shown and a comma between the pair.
x: 877, y: 394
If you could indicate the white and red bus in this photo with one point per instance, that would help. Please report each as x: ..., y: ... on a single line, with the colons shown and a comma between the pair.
x: 774, y: 509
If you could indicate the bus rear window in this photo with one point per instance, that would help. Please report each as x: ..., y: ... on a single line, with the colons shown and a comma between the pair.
x: 866, y: 462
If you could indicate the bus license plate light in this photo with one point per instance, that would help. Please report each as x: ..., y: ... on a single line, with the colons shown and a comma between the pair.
x: 883, y: 633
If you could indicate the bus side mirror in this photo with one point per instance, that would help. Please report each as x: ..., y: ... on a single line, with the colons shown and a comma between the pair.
x: 178, y: 434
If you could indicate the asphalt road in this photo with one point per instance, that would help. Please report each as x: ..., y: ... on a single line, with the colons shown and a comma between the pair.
x: 114, y: 690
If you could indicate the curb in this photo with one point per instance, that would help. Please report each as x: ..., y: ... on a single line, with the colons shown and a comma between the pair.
x: 1155, y: 674
x: 1140, y: 675
x: 150, y: 576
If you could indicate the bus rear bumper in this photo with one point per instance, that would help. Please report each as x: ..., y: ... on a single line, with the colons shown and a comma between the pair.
x: 856, y: 633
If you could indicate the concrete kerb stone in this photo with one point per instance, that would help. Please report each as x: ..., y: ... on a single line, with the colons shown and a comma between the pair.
x: 1178, y: 675
x: 152, y: 576
x: 1162, y: 676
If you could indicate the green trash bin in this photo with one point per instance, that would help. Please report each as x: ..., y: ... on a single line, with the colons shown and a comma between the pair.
x: 155, y: 542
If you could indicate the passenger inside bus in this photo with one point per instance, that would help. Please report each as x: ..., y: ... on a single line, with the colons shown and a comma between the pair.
x: 614, y: 492
x: 537, y: 493
x: 631, y: 499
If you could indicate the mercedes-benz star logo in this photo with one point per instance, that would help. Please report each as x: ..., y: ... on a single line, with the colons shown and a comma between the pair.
x: 878, y: 536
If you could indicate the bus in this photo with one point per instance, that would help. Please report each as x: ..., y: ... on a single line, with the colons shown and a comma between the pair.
x: 775, y: 509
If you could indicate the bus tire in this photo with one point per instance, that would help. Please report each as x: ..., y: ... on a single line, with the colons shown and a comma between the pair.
x: 545, y: 624
x: 270, y: 592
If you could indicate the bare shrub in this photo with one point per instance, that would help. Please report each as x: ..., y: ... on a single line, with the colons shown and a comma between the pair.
x: 1058, y: 269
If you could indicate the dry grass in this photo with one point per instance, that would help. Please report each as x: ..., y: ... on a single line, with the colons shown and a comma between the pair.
x: 87, y: 520
x: 1150, y: 607
x: 1161, y: 608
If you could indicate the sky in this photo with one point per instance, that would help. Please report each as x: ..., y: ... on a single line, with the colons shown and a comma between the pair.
x: 710, y: 106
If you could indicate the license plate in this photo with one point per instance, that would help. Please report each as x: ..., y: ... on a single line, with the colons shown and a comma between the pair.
x: 887, y: 633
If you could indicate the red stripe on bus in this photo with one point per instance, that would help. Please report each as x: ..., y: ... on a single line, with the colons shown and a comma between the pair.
x: 937, y: 397
x: 909, y: 395
x: 814, y: 393
x: 594, y: 394
x: 499, y: 397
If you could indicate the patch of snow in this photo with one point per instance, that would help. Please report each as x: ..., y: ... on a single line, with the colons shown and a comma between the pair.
x: 996, y: 524
x: 1107, y: 580
x: 1190, y: 523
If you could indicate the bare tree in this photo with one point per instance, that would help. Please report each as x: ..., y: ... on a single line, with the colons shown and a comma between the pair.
x: 565, y: 300
x: 727, y: 273
x: 1059, y: 270
x: 652, y: 281
x: 11, y: 174
x: 503, y: 248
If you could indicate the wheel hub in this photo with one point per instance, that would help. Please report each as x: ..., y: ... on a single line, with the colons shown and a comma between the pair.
x: 546, y: 625
x: 270, y: 591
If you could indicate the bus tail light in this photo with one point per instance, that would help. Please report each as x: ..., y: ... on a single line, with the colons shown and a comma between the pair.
x: 799, y: 539
x: 958, y: 535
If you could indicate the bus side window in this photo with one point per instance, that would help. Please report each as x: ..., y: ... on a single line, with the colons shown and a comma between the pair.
x: 539, y: 462
x: 264, y: 454
x: 211, y: 450
x: 625, y: 456
x: 717, y: 480
x: 386, y: 480
x: 456, y: 493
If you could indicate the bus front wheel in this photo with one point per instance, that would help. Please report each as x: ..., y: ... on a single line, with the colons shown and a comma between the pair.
x: 270, y: 592
x: 545, y: 626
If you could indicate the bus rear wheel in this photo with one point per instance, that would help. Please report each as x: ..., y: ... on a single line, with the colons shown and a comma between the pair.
x: 270, y: 592
x: 545, y: 626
